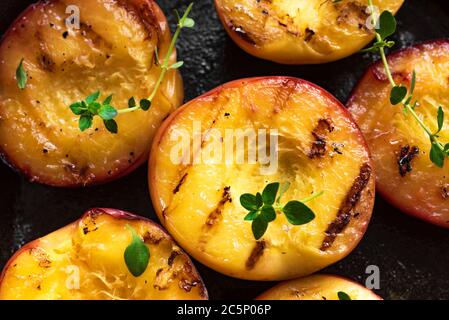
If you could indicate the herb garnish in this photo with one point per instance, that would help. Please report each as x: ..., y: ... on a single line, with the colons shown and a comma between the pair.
x: 21, y: 76
x: 263, y: 206
x: 343, y: 296
x: 89, y: 108
x: 399, y: 94
x: 137, y: 254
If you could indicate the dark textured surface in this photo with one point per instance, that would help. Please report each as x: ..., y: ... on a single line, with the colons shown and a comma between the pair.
x: 413, y: 256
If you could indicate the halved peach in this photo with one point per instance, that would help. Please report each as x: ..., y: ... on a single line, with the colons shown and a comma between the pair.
x: 319, y: 287
x: 112, y: 51
x: 400, y: 147
x: 300, y: 31
x: 85, y: 261
x: 319, y: 148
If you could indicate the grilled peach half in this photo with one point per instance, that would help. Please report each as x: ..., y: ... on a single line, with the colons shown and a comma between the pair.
x: 113, y: 52
x: 319, y: 287
x: 85, y: 261
x: 314, y: 145
x: 300, y: 31
x: 405, y: 174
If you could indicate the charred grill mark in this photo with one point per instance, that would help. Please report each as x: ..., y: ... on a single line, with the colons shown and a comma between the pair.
x: 184, y: 170
x: 46, y: 62
x: 41, y: 256
x: 90, y: 221
x: 44, y: 59
x: 184, y: 272
x: 283, y: 95
x: 145, y: 14
x: 189, y: 280
x: 319, y: 145
x: 187, y: 285
x: 346, y: 208
x: 309, y: 33
x: 86, y: 230
x: 255, y: 255
x: 215, y: 215
x: 172, y: 257
x: 150, y: 238
x: 445, y: 191
x: 405, y: 157
x: 353, y: 14
x: 93, y: 37
x: 183, y: 178
x: 241, y: 32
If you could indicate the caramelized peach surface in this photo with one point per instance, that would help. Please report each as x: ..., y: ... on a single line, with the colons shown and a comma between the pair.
x: 318, y: 287
x: 400, y: 147
x: 112, y: 51
x: 319, y: 149
x: 85, y: 261
x: 300, y: 31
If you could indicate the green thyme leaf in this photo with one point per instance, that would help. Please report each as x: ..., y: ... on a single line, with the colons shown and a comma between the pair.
x: 145, y: 104
x: 131, y: 102
x: 251, y: 215
x: 94, y: 107
x: 177, y: 65
x: 387, y: 25
x: 269, y: 193
x: 85, y: 122
x: 108, y: 100
x: 107, y: 112
x: 259, y: 200
x: 248, y: 201
x: 93, y: 97
x: 21, y: 76
x: 440, y: 119
x: 259, y: 227
x: 268, y: 213
x: 137, y: 254
x: 398, y: 93
x: 78, y: 108
x: 188, y: 23
x: 437, y: 156
x: 111, y: 125
x: 446, y: 148
x: 297, y: 213
x: 343, y: 296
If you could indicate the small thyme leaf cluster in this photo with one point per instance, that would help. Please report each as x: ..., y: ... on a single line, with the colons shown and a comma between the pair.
x: 263, y: 206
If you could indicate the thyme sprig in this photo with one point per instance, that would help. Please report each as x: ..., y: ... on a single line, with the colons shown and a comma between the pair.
x: 263, y: 206
x: 90, y: 107
x: 400, y: 94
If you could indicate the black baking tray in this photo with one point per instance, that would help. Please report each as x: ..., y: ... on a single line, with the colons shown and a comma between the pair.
x: 413, y: 256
